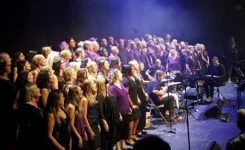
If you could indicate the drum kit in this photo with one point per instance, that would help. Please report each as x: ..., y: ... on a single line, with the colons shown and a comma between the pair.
x: 177, y: 84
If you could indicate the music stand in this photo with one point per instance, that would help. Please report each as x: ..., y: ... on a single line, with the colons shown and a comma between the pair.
x: 240, y: 76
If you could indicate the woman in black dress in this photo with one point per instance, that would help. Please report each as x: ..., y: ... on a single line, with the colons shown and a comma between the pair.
x: 142, y: 96
x: 57, y: 124
x: 129, y: 82
x: 91, y: 111
x: 109, y: 115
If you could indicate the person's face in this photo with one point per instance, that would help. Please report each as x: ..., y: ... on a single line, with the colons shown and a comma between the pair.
x: 64, y: 45
x: 68, y: 56
x: 141, y: 66
x: 8, y: 66
x: 133, y: 45
x: 80, y: 92
x: 104, y: 42
x: 27, y: 66
x: 30, y: 77
x: 120, y: 76
x: 111, y: 40
x: 215, y: 62
x: 72, y: 43
x: 168, y: 37
x: 158, y: 63
x: 96, y: 46
x: 105, y: 52
x: 116, y: 51
x: 36, y: 93
x: 159, y: 77
x: 90, y: 46
x: 133, y: 70
x: 21, y: 56
x: 95, y: 68
x: 121, y: 42
x: 43, y: 61
x: 94, y: 86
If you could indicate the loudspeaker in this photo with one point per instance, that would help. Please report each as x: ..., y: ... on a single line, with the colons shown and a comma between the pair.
x: 212, y: 112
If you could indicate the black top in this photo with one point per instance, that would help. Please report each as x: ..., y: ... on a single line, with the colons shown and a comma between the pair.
x: 93, y: 115
x: 132, y: 89
x: 8, y: 93
x: 217, y: 71
x: 108, y: 109
x: 31, y: 128
x: 61, y: 133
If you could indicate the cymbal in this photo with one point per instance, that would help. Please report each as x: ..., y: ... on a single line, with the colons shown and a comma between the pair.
x: 174, y: 83
x: 209, y: 75
x: 166, y: 80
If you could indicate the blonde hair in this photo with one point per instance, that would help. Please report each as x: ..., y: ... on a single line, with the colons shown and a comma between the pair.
x: 48, y: 69
x: 65, y: 52
x: 114, y: 74
x: 30, y: 88
x: 46, y: 49
x: 37, y: 58
x: 68, y: 74
x: 3, y: 56
x: 101, y: 86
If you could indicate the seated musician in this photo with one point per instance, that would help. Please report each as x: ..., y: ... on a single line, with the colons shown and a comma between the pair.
x: 215, y: 77
x: 157, y: 92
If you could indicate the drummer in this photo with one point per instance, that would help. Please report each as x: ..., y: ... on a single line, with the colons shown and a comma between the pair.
x: 157, y: 92
x: 215, y: 76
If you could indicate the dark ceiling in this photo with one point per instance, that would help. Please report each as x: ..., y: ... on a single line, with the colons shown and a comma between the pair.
x: 31, y: 24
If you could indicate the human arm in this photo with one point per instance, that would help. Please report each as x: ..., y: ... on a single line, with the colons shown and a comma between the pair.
x: 50, y: 128
x: 71, y: 117
x: 44, y: 96
x: 84, y: 113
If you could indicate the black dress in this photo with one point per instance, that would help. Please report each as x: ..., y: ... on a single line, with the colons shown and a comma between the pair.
x: 61, y: 133
x: 109, y: 112
x: 142, y: 107
x: 31, y: 128
x: 93, y: 119
x: 133, y: 93
x: 7, y: 116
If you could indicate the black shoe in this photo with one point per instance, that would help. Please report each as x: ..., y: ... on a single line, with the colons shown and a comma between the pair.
x: 144, y: 132
x: 139, y: 135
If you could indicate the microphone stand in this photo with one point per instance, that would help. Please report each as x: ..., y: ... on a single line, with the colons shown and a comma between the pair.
x: 170, y: 129
x: 187, y: 119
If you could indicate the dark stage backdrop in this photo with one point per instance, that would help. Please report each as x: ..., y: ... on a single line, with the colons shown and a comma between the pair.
x: 31, y: 24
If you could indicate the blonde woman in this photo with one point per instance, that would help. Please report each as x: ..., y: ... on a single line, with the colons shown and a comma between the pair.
x: 91, y: 112
x: 109, y: 115
x: 118, y: 90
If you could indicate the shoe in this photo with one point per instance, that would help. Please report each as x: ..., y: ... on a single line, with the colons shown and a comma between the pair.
x: 139, y: 135
x: 130, y: 142
x: 209, y: 99
x: 144, y: 132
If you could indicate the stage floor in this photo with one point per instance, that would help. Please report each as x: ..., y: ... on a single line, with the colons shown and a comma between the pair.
x: 203, y: 131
